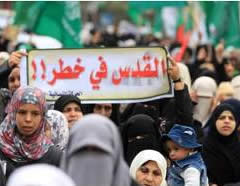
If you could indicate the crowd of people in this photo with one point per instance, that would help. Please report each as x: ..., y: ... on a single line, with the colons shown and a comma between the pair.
x: 190, y: 139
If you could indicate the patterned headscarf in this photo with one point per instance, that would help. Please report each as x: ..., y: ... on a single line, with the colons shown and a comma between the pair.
x: 14, y: 145
x: 59, y: 128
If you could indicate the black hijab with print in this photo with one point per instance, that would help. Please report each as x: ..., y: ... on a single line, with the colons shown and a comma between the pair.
x: 222, y: 153
x: 139, y: 133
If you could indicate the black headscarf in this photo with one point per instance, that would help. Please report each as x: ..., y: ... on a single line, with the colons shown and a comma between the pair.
x: 62, y: 101
x: 115, y: 116
x: 139, y: 133
x: 147, y: 108
x: 221, y: 70
x: 222, y: 153
x: 194, y: 68
x: 235, y: 104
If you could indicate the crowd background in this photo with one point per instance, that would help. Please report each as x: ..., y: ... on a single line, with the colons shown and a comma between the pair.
x: 201, y: 120
x: 71, y: 22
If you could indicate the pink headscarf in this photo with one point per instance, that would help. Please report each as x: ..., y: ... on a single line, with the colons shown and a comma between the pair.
x: 15, y: 146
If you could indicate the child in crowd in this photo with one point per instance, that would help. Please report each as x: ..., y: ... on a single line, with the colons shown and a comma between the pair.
x: 187, y: 166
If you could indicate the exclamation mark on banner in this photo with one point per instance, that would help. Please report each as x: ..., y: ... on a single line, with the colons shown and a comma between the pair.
x: 164, y: 70
x: 44, y: 70
x: 34, y: 66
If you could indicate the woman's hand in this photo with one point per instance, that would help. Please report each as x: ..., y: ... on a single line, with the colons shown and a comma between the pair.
x: 15, y: 58
x: 174, y: 74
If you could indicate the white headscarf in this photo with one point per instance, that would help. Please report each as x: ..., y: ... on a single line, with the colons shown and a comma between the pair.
x: 39, y: 175
x: 202, y: 110
x: 145, y: 156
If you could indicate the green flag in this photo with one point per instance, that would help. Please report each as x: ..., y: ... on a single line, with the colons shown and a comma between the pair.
x: 223, y: 22
x: 60, y: 20
x: 136, y: 10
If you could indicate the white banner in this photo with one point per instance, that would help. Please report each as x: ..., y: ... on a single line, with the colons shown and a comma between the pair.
x: 103, y: 75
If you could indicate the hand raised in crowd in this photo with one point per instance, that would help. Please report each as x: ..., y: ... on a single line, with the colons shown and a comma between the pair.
x: 15, y: 58
x: 173, y: 70
x: 174, y: 74
x: 219, y: 51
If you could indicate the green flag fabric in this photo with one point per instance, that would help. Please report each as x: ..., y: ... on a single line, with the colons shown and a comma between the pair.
x: 136, y: 10
x: 144, y: 5
x: 60, y: 20
x: 223, y: 21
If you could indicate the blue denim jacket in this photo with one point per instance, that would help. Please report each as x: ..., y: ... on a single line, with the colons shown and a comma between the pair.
x: 195, y: 160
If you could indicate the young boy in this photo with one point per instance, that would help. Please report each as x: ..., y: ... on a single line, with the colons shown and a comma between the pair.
x: 187, y: 166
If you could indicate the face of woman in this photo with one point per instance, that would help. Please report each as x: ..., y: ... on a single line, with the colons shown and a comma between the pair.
x: 14, y: 80
x: 229, y: 69
x: 149, y: 174
x: 28, y: 119
x: 202, y: 54
x: 73, y: 112
x: 226, y: 123
x: 103, y: 109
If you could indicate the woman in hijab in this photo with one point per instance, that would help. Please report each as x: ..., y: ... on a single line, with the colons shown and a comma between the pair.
x: 58, y: 130
x: 201, y: 55
x: 149, y: 167
x: 203, y: 93
x: 94, y: 153
x: 139, y: 133
x: 71, y: 107
x: 6, y: 94
x: 8, y: 64
x: 108, y: 110
x: 10, y: 79
x: 147, y: 108
x: 221, y: 148
x: 235, y: 103
x: 22, y: 133
x: 40, y: 174
x: 226, y: 70
x: 224, y: 91
x: 205, y: 61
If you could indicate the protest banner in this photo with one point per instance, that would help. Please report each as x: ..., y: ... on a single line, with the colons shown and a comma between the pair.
x: 102, y: 75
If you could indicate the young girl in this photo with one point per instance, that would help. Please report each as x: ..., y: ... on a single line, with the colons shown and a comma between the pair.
x: 187, y: 166
x: 23, y: 139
